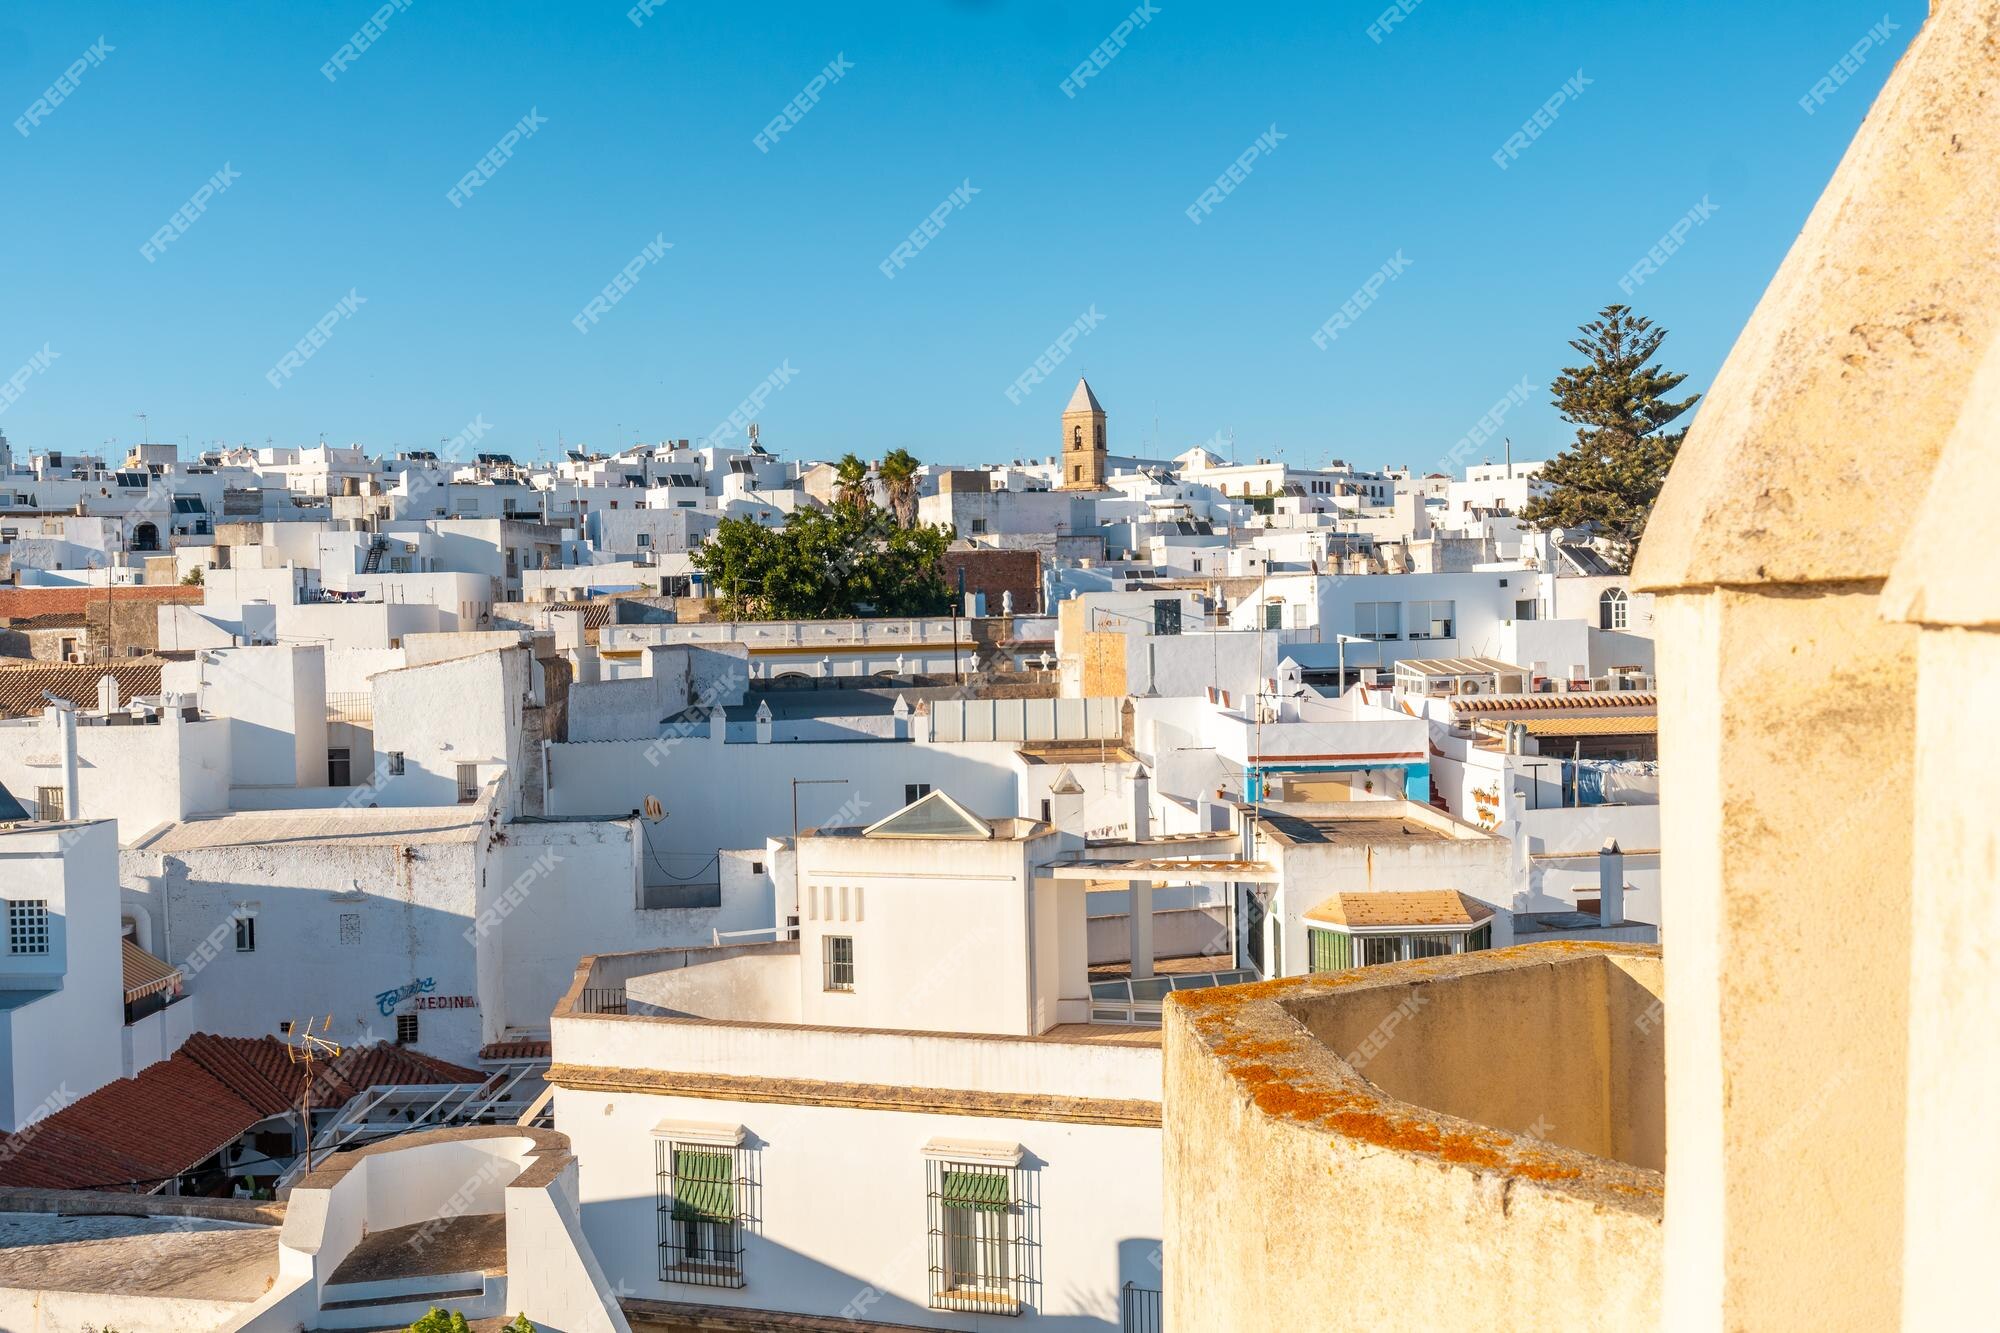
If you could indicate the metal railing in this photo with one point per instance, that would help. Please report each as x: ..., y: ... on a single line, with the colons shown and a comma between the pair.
x: 1139, y: 1001
x: 601, y: 1000
x: 389, y: 1109
x: 1139, y: 1310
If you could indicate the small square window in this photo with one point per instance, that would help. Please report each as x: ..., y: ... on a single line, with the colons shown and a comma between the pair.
x: 395, y: 763
x: 406, y: 1029
x: 756, y: 867
x: 915, y: 791
x: 28, y: 926
x: 48, y: 803
x: 468, y: 783
x: 337, y: 768
x: 839, y: 962
x: 246, y: 933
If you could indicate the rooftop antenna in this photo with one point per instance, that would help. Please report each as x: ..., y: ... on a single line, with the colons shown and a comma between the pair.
x: 307, y: 1048
x: 1510, y: 458
x: 145, y: 429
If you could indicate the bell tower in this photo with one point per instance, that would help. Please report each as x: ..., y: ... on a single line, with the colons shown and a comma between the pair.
x: 1083, y: 446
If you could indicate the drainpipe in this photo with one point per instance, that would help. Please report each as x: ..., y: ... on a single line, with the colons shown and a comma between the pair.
x: 1610, y: 884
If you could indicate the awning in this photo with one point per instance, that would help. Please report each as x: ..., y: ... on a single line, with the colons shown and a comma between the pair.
x: 984, y: 1190
x: 146, y: 975
x: 704, y: 1190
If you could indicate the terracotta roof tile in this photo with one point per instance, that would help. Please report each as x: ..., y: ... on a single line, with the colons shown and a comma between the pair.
x: 521, y: 1049
x: 1540, y: 703
x: 1439, y: 907
x: 21, y: 687
x: 177, y: 1113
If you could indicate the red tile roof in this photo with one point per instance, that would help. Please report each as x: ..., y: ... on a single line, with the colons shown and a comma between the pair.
x: 177, y: 1113
x: 21, y: 686
x: 519, y: 1049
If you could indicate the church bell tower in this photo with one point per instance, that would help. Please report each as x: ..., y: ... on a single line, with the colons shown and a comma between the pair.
x: 1083, y: 448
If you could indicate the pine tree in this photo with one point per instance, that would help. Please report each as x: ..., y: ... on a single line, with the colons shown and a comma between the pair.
x: 1618, y: 401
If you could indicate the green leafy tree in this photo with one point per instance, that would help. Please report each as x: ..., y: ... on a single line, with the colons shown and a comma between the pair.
x: 437, y: 1321
x: 899, y: 477
x: 520, y: 1324
x: 1619, y: 401
x: 850, y: 483
x: 826, y: 564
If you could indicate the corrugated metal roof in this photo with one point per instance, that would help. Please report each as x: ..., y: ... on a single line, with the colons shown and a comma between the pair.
x: 1459, y: 666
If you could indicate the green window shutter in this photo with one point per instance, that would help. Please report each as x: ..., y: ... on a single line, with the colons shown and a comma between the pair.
x: 1329, y: 951
x: 704, y: 1190
x: 984, y: 1190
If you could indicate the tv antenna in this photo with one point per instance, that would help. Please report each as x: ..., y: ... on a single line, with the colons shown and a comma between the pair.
x: 308, y: 1048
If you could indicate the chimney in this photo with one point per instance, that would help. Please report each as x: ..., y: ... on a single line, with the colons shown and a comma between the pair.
x: 1066, y: 802
x: 1610, y: 884
x: 63, y: 714
x: 1142, y: 805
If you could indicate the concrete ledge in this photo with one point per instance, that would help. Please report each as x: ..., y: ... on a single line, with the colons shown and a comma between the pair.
x: 1438, y: 1220
x: 857, y: 1096
x: 89, y: 1203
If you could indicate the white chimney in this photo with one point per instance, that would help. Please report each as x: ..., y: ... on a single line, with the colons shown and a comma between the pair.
x: 1142, y: 806
x: 107, y: 693
x: 1066, y: 802
x: 63, y: 715
x: 1610, y: 884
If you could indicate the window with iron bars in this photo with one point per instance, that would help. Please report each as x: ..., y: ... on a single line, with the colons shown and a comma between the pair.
x: 982, y: 1237
x: 704, y: 1193
x: 28, y: 926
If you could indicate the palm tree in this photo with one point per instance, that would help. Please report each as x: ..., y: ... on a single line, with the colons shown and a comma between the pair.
x: 899, y: 476
x: 850, y: 482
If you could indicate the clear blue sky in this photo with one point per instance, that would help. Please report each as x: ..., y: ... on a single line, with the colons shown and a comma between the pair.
x: 1081, y: 203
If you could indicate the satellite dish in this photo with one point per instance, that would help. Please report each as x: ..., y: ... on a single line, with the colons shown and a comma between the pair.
x: 654, y: 810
